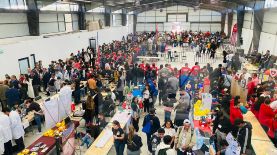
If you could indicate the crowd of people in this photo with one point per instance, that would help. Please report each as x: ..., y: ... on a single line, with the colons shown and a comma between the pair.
x: 176, y: 90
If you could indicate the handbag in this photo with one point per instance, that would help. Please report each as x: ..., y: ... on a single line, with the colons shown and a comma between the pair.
x: 147, y: 128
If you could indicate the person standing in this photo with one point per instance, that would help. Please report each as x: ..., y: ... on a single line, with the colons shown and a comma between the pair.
x: 16, y: 127
x: 170, y: 130
x: 244, y: 136
x: 133, y: 142
x: 35, y: 82
x: 135, y: 113
x: 120, y: 87
x: 13, y: 96
x: 146, y: 98
x: 35, y: 107
x: 118, y: 135
x: 154, y: 125
x: 3, y: 90
x: 7, y: 133
x: 185, y: 138
x: 92, y: 85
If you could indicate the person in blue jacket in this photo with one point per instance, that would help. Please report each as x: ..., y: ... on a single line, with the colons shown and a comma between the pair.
x: 13, y: 96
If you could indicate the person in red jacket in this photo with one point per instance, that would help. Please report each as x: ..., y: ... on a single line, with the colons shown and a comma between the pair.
x: 185, y: 69
x: 235, y: 111
x: 272, y: 128
x: 265, y: 114
x: 250, y: 87
x: 195, y: 69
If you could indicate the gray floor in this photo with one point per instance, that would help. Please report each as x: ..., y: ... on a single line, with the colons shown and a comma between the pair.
x: 190, y: 59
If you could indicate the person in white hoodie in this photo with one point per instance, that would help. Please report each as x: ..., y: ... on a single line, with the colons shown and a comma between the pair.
x: 164, y: 147
x: 6, y: 132
x: 16, y: 127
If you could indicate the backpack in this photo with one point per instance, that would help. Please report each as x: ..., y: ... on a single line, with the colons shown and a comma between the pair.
x: 163, y: 151
x: 135, y: 144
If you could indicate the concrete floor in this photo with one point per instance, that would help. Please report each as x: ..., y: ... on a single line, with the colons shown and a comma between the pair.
x: 191, y: 59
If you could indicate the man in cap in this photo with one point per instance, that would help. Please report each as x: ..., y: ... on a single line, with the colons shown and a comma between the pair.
x: 185, y: 138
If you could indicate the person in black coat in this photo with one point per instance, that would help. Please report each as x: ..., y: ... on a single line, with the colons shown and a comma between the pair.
x: 155, y: 125
x: 45, y: 79
x: 244, y: 136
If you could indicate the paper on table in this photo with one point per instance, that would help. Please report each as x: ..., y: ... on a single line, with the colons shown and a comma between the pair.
x: 104, y: 139
x: 229, y: 138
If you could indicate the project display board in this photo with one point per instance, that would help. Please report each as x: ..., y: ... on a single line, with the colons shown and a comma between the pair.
x: 56, y: 109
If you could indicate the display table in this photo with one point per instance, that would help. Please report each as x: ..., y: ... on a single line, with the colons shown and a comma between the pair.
x: 260, y: 141
x: 124, y: 119
x: 67, y: 141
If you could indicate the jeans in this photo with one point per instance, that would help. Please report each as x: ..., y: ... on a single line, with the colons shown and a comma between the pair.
x: 149, y: 142
x: 119, y: 148
x: 86, y: 140
x: 36, y: 90
x: 38, y: 122
x: 167, y: 115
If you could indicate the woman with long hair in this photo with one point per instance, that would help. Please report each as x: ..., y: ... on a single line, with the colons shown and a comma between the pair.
x: 170, y: 130
x: 133, y: 142
x: 118, y: 135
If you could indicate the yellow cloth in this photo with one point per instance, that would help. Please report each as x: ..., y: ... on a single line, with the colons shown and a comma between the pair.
x: 198, y: 111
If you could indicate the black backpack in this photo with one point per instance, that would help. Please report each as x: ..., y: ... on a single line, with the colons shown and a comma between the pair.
x: 135, y: 144
x: 163, y: 151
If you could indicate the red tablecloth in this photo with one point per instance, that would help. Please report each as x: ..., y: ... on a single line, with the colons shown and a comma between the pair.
x: 50, y: 141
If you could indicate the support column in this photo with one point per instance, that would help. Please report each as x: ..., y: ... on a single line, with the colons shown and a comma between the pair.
x: 257, y: 29
x: 229, y: 24
x: 33, y: 17
x: 124, y: 17
x: 240, y: 19
x: 81, y: 16
x: 107, y: 17
x: 135, y: 23
x: 223, y: 18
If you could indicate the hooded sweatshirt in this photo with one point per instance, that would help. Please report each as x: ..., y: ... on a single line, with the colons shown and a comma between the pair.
x: 244, y: 137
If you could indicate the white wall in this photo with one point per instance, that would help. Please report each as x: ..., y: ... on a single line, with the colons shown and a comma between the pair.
x: 54, y: 48
x: 268, y: 38
x: 13, y: 25
x: 198, y: 19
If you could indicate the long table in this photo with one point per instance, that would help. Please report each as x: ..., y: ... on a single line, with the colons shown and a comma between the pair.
x: 261, y: 143
x: 124, y: 119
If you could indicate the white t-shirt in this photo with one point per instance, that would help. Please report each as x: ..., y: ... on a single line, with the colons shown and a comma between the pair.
x: 146, y: 94
x: 171, y: 132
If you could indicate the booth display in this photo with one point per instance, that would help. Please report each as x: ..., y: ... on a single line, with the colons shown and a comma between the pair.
x: 104, y: 141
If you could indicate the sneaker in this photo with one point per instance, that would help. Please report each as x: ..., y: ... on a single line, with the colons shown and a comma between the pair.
x: 38, y: 133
